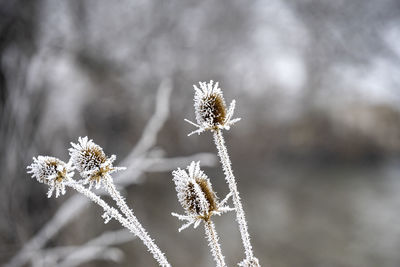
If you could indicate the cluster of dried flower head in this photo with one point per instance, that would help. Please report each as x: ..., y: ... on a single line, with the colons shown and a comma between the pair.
x: 96, y: 168
x: 87, y: 158
x: 194, y: 189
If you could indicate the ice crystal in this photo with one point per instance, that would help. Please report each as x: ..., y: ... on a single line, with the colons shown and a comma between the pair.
x: 210, y: 108
x: 108, y: 215
x: 196, y: 196
x: 253, y: 262
x: 51, y: 171
x: 91, y: 161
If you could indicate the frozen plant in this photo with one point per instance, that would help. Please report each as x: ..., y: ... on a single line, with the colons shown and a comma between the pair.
x: 51, y: 171
x: 210, y: 109
x: 58, y: 175
x: 92, y: 163
x: 212, y: 114
x: 200, y: 202
x: 94, y: 167
x: 140, y: 159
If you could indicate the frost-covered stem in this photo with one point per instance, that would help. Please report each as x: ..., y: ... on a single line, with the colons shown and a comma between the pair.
x: 140, y: 231
x: 215, y: 247
x: 96, y: 199
x: 230, y: 179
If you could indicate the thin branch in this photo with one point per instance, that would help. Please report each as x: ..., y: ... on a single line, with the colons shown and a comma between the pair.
x: 93, y: 253
x: 156, y: 122
x: 139, y: 229
x: 83, y: 254
x: 231, y: 181
x: 76, y: 255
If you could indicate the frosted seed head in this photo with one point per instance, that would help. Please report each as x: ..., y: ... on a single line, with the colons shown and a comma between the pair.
x: 209, y: 103
x: 210, y: 108
x: 195, y: 192
x: 196, y: 196
x: 208, y: 192
x: 86, y: 155
x: 91, y: 161
x: 51, y: 171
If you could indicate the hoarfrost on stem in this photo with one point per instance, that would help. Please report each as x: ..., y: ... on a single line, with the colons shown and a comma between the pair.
x: 212, y: 114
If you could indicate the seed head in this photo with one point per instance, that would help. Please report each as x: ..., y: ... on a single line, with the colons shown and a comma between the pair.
x: 51, y: 171
x: 210, y: 108
x: 196, y: 195
x: 194, y: 191
x: 91, y: 161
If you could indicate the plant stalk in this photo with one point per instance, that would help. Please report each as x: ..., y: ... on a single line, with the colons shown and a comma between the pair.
x: 140, y: 231
x: 215, y: 247
x: 230, y: 179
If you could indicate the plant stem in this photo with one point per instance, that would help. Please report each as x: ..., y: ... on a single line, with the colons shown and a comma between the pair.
x: 96, y: 199
x: 230, y: 179
x: 140, y: 231
x: 212, y: 237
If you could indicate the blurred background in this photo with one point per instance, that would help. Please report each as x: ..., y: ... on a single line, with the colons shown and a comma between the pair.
x: 316, y: 154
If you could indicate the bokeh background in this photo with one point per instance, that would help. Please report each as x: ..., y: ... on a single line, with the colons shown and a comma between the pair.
x: 316, y: 154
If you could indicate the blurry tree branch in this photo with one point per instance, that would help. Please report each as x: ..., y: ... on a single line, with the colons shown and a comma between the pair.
x: 97, y: 248
x: 156, y: 122
x: 138, y: 161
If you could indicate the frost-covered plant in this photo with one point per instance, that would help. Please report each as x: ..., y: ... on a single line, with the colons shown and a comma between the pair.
x: 51, y: 171
x: 94, y: 167
x: 210, y: 109
x: 195, y: 192
x: 212, y: 114
x: 58, y: 175
x: 200, y: 202
x: 91, y: 162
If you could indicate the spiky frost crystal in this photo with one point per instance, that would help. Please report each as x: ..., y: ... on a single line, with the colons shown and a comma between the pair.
x: 51, y: 171
x: 196, y: 196
x: 91, y: 161
x: 210, y: 108
x: 250, y: 263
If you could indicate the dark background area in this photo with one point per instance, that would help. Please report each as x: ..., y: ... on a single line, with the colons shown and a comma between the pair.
x: 316, y: 154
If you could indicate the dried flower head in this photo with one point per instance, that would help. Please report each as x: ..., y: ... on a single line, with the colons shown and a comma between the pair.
x: 51, y: 171
x: 91, y: 161
x: 210, y: 108
x: 196, y: 196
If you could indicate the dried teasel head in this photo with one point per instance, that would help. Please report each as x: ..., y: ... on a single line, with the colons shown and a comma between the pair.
x: 91, y: 161
x: 196, y: 195
x: 194, y: 191
x: 210, y: 108
x: 51, y: 171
